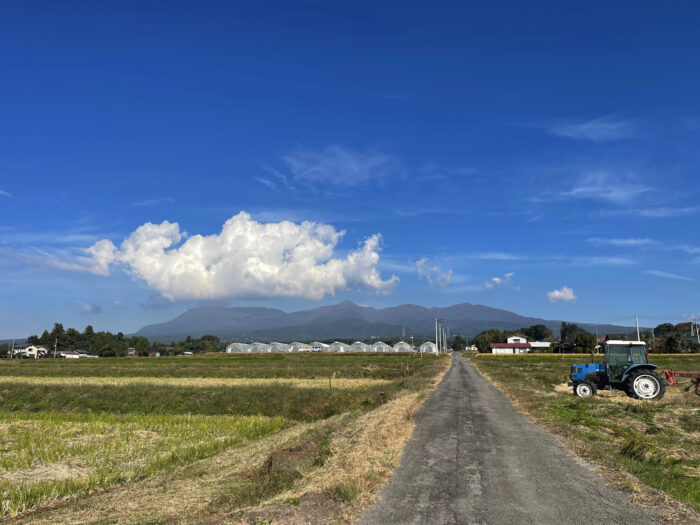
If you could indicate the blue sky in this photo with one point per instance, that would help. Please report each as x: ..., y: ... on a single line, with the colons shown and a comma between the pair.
x: 536, y: 156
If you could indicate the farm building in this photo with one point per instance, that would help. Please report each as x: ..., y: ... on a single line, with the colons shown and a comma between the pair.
x: 402, y: 346
x: 428, y: 348
x: 359, y: 346
x: 538, y: 346
x: 510, y: 348
x: 237, y: 348
x: 517, y: 339
x: 337, y: 346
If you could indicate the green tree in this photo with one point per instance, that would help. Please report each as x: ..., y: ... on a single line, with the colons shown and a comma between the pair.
x: 459, y: 343
x: 45, y: 339
x: 537, y: 332
x: 569, y: 331
x: 664, y: 329
x: 672, y: 345
x: 585, y: 343
x: 484, y: 339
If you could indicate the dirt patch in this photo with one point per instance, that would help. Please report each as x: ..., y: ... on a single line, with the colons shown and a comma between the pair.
x: 311, y: 508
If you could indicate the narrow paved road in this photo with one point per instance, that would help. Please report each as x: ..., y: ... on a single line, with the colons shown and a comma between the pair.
x: 473, y: 459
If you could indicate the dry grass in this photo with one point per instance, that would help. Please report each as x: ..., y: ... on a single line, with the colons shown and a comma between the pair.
x: 362, y: 448
x: 203, y: 382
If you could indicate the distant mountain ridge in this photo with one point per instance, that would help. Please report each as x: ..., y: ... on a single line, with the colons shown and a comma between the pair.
x: 343, y: 321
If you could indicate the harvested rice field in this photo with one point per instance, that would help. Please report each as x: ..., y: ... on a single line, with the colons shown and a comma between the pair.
x: 286, y: 436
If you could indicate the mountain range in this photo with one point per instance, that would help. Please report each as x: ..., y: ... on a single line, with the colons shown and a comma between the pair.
x: 345, y: 320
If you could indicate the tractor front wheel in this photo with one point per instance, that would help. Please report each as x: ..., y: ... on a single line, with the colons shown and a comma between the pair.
x: 645, y: 384
x: 584, y: 389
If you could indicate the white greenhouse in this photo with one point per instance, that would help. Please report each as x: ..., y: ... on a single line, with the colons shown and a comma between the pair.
x: 299, y: 347
x: 237, y: 348
x: 428, y: 348
x: 358, y: 346
x: 258, y: 348
x: 278, y: 347
x: 402, y: 346
x: 337, y: 346
x: 382, y: 347
x: 319, y: 347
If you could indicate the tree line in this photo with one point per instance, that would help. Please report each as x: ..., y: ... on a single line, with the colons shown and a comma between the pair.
x: 107, y: 344
x: 665, y: 338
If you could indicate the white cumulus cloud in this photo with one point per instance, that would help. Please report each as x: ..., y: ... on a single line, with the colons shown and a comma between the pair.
x: 565, y: 294
x: 246, y: 259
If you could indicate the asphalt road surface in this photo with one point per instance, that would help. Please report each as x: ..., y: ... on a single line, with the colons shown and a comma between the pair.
x: 474, y: 459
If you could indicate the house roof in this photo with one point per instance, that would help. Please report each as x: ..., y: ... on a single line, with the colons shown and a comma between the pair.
x: 510, y: 345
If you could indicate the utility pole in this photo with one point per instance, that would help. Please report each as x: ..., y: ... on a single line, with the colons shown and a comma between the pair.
x: 55, y: 345
x: 437, y: 344
x: 12, y: 352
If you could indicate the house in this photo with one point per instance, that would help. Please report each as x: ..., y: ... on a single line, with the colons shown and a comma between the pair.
x: 510, y: 348
x: 32, y: 351
x: 517, y: 338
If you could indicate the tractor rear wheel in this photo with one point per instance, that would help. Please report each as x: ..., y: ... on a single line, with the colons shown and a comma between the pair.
x: 645, y: 384
x: 584, y: 389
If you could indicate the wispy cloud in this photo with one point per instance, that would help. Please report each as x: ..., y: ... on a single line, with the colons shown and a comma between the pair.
x: 153, y: 202
x: 602, y: 261
x: 564, y: 294
x: 497, y: 282
x: 661, y: 212
x: 340, y: 166
x: 90, y: 308
x: 596, y: 130
x: 635, y: 242
x: 606, y: 186
x: 668, y: 275
x: 432, y: 273
x: 628, y: 242
x: 266, y: 182
x: 4, y: 192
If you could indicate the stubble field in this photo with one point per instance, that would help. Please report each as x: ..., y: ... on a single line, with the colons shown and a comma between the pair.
x: 71, y: 430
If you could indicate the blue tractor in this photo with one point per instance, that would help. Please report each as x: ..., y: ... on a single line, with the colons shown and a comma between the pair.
x: 626, y: 367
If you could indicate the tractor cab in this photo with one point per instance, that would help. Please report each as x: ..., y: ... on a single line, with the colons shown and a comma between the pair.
x: 621, y: 355
x: 625, y: 367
